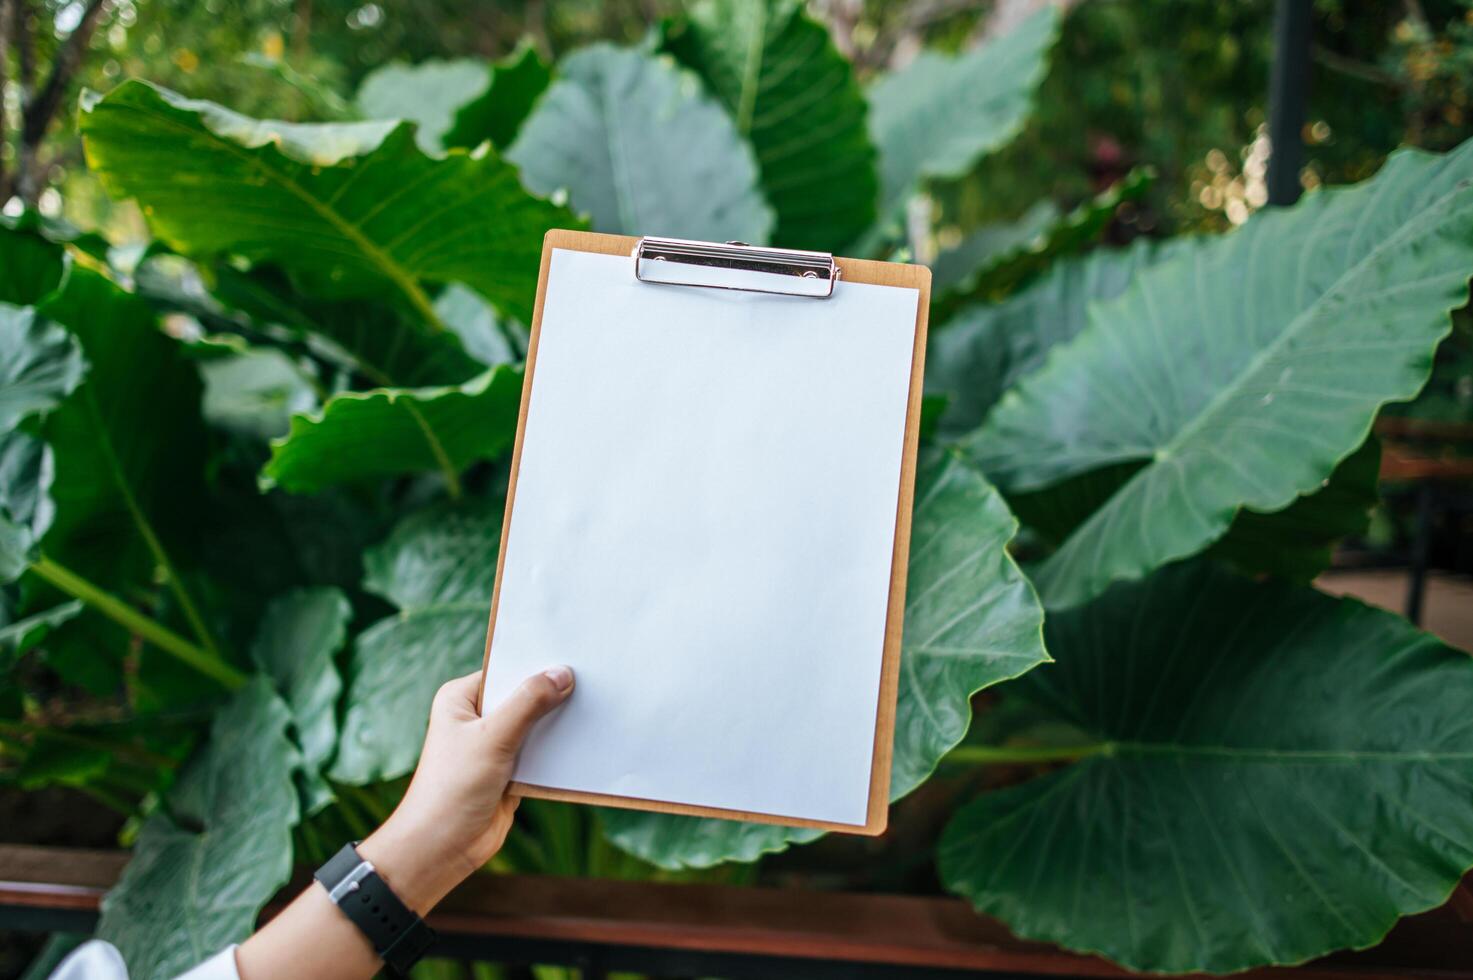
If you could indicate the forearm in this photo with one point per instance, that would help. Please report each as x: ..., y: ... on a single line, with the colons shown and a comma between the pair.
x: 453, y: 818
x: 311, y: 937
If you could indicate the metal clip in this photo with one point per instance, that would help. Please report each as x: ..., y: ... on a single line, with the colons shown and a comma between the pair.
x: 735, y: 265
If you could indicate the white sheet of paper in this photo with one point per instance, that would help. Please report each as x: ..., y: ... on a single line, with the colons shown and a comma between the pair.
x: 703, y: 530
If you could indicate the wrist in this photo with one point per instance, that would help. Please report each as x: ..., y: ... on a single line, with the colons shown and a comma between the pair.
x: 409, y: 860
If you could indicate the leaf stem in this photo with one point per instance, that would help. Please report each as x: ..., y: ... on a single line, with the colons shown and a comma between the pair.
x: 108, y: 799
x: 155, y: 547
x: 1009, y: 754
x: 131, y: 619
x: 120, y: 750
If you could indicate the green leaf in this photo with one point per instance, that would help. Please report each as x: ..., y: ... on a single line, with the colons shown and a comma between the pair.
x: 19, y: 635
x: 255, y: 392
x: 1279, y: 774
x: 129, y: 483
x: 941, y: 114
x: 485, y: 336
x: 386, y: 432
x: 971, y: 620
x: 1241, y: 372
x: 995, y: 260
x: 198, y: 879
x: 460, y: 102
x: 517, y: 80
x: 39, y: 365
x: 52, y: 761
x: 351, y: 209
x: 987, y: 348
x: 794, y: 96
x: 365, y: 336
x: 1298, y: 542
x: 32, y: 265
x: 438, y: 568
x: 957, y: 269
x: 971, y: 617
x: 26, y: 510
x: 640, y: 148
x: 299, y: 636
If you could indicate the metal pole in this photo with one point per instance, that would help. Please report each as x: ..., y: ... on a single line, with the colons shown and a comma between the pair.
x: 1288, y: 89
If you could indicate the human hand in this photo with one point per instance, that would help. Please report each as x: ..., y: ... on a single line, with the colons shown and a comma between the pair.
x: 456, y: 813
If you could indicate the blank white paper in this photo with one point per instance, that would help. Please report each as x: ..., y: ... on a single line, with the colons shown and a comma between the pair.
x: 703, y: 529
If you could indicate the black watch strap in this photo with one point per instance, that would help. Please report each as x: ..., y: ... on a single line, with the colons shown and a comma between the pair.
x: 398, y: 935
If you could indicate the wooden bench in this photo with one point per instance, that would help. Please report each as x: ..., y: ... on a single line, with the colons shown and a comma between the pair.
x: 718, y: 930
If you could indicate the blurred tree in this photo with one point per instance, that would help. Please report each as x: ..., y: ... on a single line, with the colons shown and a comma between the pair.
x: 1177, y: 84
x: 1183, y: 86
x: 48, y: 52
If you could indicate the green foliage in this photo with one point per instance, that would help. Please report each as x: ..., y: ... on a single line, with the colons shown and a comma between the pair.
x: 642, y: 150
x: 33, y: 265
x: 992, y: 261
x: 359, y: 435
x: 459, y: 103
x: 301, y: 632
x: 129, y: 480
x: 212, y: 181
x: 1241, y: 372
x: 940, y: 115
x: 201, y: 872
x: 39, y: 365
x: 794, y: 97
x: 1307, y: 756
x: 437, y: 567
x: 987, y: 348
x: 25, y: 500
x: 251, y: 477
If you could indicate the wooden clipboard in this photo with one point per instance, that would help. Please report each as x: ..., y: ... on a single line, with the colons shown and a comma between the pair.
x: 850, y: 270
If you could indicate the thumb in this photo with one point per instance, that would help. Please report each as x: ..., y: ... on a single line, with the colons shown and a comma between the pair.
x: 534, y: 697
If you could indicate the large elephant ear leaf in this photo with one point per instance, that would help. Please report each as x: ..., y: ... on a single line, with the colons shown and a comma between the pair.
x: 1240, y: 373
x: 941, y: 114
x: 1260, y: 746
x: 987, y: 348
x: 198, y: 878
x: 389, y: 431
x: 458, y: 103
x: 349, y: 208
x: 794, y: 96
x: 640, y: 148
x: 299, y: 636
x: 438, y: 566
x: 971, y: 620
x: 129, y: 477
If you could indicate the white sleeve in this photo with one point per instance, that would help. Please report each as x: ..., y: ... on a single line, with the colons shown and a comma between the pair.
x: 98, y: 960
x: 93, y: 960
x: 221, y: 966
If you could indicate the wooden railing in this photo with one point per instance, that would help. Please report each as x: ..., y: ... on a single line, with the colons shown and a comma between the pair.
x: 724, y: 931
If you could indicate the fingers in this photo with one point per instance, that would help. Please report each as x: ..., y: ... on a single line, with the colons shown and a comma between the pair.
x: 533, y: 698
x: 459, y: 695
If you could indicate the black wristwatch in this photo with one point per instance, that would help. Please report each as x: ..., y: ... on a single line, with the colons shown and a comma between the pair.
x: 398, y: 935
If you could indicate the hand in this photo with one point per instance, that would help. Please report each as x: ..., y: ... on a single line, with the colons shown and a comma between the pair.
x: 456, y: 814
